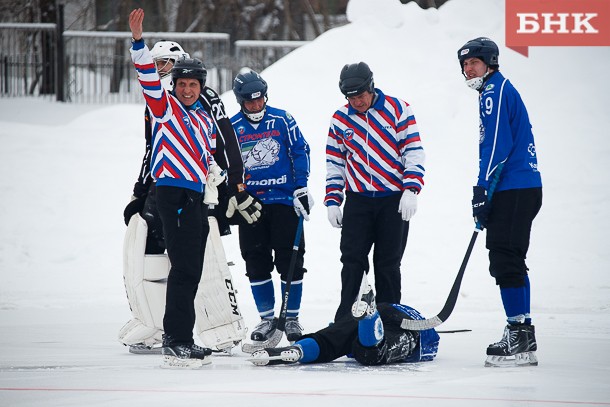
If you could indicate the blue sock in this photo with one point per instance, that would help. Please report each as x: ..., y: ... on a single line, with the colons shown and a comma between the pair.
x: 264, y: 297
x: 370, y: 330
x: 513, y: 299
x: 310, y: 348
x: 528, y: 318
x: 294, y: 299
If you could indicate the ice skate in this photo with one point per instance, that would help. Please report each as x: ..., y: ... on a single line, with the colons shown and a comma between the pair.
x: 365, y: 305
x: 179, y: 356
x: 293, y: 329
x: 277, y: 356
x: 264, y: 329
x: 143, y: 349
x: 516, y: 348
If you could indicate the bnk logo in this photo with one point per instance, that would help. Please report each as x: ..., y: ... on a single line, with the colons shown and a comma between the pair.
x: 557, y: 23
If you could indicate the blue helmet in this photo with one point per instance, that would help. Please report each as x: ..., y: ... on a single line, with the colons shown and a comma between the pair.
x: 249, y: 86
x: 482, y: 48
x: 355, y: 79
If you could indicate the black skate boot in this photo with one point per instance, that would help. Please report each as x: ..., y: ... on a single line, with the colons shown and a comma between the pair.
x: 184, y: 356
x: 365, y: 305
x: 264, y: 329
x: 516, y: 348
x: 293, y: 329
x: 277, y: 356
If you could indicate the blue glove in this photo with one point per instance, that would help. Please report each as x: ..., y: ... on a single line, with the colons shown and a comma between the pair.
x: 480, y: 205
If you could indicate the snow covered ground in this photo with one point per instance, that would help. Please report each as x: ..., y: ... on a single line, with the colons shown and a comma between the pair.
x: 68, y: 170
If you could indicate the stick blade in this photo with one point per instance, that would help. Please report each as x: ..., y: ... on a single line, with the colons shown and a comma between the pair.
x: 420, y: 324
x: 272, y: 342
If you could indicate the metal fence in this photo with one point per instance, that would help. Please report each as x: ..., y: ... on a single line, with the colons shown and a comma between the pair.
x: 99, y: 68
x: 27, y: 59
x: 95, y: 66
x: 258, y: 55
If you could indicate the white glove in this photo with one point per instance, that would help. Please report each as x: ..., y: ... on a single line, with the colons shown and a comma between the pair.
x: 216, y: 176
x: 408, y: 205
x: 335, y: 216
x: 303, y: 202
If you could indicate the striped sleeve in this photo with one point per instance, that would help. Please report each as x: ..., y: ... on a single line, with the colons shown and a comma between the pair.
x: 153, y: 92
x: 411, y: 149
x: 335, y: 168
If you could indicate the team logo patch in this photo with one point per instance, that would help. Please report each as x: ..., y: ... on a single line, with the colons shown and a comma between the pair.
x: 255, y: 95
x: 186, y: 120
x: 241, y: 130
x: 264, y: 152
x: 464, y: 52
x: 209, y: 92
x: 489, y: 87
x: 289, y: 116
x: 348, y: 134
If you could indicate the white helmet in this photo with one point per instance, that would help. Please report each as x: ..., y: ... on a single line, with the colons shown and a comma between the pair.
x: 168, y: 51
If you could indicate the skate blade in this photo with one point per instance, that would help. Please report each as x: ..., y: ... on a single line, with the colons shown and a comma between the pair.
x: 144, y: 350
x: 518, y: 360
x: 266, y: 360
x: 172, y: 362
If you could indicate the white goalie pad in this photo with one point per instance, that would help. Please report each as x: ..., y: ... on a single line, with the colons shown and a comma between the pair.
x: 219, y: 322
x: 145, y: 278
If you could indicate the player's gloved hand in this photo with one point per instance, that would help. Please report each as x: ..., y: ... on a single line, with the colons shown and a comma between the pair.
x: 408, y: 204
x: 335, y: 216
x: 244, y: 203
x: 134, y: 206
x: 303, y: 202
x: 480, y: 206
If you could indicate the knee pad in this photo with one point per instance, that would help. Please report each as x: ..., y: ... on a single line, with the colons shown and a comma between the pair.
x: 145, y: 278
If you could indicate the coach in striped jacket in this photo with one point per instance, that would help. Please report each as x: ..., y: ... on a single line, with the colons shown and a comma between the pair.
x: 183, y: 136
x: 375, y: 155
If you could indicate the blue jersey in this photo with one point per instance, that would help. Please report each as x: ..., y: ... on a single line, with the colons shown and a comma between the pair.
x: 275, y: 155
x: 506, y: 136
x: 428, y: 344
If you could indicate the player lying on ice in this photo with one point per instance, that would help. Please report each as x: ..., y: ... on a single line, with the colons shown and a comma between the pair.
x: 372, y: 334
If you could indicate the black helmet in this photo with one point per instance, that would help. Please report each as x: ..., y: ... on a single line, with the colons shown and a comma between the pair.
x: 355, y: 79
x: 482, y: 48
x: 249, y: 86
x: 191, y: 68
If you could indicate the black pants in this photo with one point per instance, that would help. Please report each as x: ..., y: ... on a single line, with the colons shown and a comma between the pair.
x: 155, y: 242
x: 508, y: 234
x: 273, y: 234
x: 367, y: 222
x: 341, y: 338
x: 185, y: 227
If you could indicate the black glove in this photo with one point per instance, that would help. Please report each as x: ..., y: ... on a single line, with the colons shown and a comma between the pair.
x: 134, y: 206
x: 247, y: 206
x: 480, y: 205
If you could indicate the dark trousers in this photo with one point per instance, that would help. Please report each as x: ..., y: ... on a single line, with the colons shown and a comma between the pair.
x: 508, y: 234
x: 185, y: 227
x: 341, y: 338
x: 366, y: 222
x: 155, y: 243
x: 269, y: 242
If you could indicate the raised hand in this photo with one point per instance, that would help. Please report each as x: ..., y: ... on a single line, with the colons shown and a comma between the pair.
x: 136, y: 18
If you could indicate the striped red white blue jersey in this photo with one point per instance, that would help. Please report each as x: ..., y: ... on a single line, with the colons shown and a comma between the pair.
x: 182, y: 138
x: 375, y: 153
